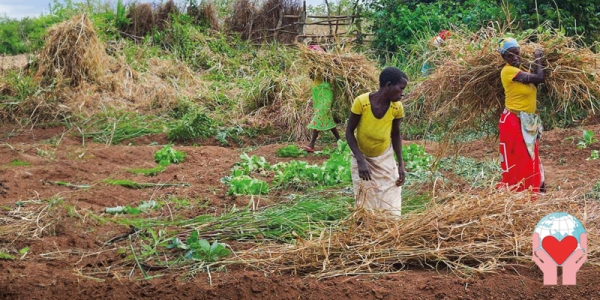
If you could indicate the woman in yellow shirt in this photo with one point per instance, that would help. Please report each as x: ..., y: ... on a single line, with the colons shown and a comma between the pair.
x: 519, y: 123
x: 373, y: 134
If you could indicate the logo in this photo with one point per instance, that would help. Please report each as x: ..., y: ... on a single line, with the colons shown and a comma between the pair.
x: 559, y: 239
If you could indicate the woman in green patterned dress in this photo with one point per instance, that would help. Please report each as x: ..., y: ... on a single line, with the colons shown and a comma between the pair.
x: 322, y: 98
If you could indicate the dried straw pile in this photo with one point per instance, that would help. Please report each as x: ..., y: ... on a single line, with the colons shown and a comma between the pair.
x: 467, y: 233
x: 73, y: 52
x: 466, y: 86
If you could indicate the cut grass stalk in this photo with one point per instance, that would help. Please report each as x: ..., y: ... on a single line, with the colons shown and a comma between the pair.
x: 148, y: 171
x: 135, y: 185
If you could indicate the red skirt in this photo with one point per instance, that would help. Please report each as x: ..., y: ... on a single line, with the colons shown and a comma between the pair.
x: 519, y: 171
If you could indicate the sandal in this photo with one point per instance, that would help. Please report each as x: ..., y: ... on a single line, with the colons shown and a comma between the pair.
x: 309, y: 149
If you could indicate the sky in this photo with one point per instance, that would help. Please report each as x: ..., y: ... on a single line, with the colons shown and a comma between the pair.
x: 17, y: 9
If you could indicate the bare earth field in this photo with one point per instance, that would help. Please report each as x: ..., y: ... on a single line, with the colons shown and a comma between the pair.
x: 71, y: 261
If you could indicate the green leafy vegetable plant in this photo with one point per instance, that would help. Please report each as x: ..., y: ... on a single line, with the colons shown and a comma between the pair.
x: 586, y: 140
x: 168, y: 155
x: 289, y: 151
x: 246, y: 185
x: 200, y: 249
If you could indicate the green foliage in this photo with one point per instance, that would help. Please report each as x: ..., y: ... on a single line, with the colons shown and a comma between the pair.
x: 193, y: 124
x: 24, y: 36
x: 250, y: 165
x: 397, y: 24
x: 22, y: 85
x: 289, y: 151
x: 200, y: 249
x: 19, y: 163
x: 6, y: 256
x: 415, y: 159
x: 149, y: 171
x: 246, y: 185
x: 476, y: 173
x: 300, y: 174
x: 143, y: 207
x: 223, y: 134
x: 594, y: 193
x: 168, y: 155
x: 595, y: 154
x: 587, y: 139
x: 114, y: 126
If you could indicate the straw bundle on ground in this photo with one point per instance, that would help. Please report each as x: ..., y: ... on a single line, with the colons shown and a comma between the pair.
x: 467, y: 233
x: 466, y: 86
x: 141, y: 20
x: 73, y: 52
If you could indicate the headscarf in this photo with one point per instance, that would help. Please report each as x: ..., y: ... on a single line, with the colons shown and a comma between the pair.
x: 507, y: 43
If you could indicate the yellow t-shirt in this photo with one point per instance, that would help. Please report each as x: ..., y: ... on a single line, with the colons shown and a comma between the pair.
x: 374, y: 135
x: 519, y: 96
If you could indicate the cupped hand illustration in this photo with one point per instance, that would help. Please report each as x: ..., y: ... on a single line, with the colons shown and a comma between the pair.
x: 543, y: 261
x: 574, y: 262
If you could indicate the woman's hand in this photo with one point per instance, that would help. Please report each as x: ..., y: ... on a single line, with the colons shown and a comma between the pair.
x: 401, y: 175
x: 363, y: 169
x: 537, y: 53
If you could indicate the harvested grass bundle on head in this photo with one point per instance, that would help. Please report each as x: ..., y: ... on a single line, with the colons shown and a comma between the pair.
x: 73, y: 52
x: 285, y: 98
x: 141, y: 19
x: 350, y: 74
x: 465, y: 90
x: 466, y: 233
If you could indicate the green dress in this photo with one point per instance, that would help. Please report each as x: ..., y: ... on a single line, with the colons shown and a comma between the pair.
x: 322, y: 98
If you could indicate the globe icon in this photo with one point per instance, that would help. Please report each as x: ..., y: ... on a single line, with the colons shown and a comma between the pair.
x: 560, y: 225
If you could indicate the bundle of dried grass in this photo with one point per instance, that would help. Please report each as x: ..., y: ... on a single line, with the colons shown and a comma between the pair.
x: 242, y: 18
x: 467, y: 233
x: 141, y: 19
x: 205, y: 14
x: 164, y: 14
x: 465, y: 88
x: 350, y: 74
x: 73, y: 52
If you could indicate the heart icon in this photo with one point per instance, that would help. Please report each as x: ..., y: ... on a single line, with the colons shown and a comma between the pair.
x: 559, y: 251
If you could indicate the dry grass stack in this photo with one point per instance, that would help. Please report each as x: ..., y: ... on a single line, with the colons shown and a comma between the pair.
x: 141, y: 19
x: 73, y: 52
x: 242, y: 18
x: 466, y: 233
x: 204, y: 14
x: 164, y: 14
x: 465, y: 88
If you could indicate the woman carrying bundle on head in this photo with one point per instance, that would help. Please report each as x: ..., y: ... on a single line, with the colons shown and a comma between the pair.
x: 519, y: 124
x: 373, y: 134
x: 322, y: 98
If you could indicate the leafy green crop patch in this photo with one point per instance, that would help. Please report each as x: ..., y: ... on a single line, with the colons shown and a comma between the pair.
x: 168, y: 155
x: 246, y: 185
x: 19, y: 163
x: 289, y: 151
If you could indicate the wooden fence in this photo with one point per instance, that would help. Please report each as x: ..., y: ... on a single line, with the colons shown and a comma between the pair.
x: 296, y: 25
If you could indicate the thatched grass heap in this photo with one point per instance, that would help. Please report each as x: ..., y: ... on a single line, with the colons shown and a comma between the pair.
x: 468, y: 233
x: 73, y: 52
x: 141, y: 18
x: 466, y: 85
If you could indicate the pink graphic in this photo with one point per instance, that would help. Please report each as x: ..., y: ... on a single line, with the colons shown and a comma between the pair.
x: 559, y: 239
